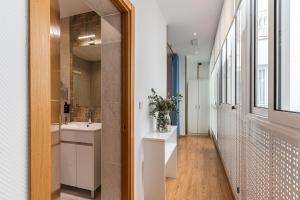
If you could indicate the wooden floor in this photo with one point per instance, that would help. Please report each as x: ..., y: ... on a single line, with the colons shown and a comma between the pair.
x: 200, y: 174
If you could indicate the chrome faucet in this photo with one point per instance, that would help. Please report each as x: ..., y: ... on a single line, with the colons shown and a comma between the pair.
x: 89, y: 115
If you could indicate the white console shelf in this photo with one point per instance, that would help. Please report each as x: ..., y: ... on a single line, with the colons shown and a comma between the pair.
x: 160, y: 161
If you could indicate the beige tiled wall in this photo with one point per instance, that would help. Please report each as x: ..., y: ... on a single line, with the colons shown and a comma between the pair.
x: 65, y: 64
x: 111, y: 107
x: 85, y: 24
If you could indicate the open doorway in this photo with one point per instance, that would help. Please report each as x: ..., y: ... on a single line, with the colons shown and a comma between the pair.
x: 81, y: 99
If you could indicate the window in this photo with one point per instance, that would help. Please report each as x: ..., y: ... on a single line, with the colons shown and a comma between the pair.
x: 219, y: 81
x: 231, y: 65
x: 261, y: 54
x: 288, y: 56
x: 261, y: 79
x: 239, y: 30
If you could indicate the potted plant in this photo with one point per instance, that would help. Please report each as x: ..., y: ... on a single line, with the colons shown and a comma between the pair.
x: 160, y: 109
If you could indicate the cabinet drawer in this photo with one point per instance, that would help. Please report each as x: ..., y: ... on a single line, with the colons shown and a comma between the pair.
x: 78, y: 137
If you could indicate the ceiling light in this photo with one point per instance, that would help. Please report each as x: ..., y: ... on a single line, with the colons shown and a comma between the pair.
x: 86, y: 37
x: 195, y: 42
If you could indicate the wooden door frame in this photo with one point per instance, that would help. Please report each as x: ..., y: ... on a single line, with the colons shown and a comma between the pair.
x: 40, y: 96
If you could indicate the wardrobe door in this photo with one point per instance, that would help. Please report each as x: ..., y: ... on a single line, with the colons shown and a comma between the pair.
x: 193, y: 106
x: 203, y: 107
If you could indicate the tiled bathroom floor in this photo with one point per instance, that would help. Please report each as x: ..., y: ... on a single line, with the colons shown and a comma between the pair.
x: 77, y: 194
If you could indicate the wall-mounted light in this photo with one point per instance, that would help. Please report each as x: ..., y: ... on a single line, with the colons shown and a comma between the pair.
x: 86, y: 37
x: 195, y: 34
x: 93, y: 42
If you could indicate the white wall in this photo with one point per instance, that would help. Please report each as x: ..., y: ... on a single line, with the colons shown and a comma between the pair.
x: 150, y: 72
x: 13, y: 101
x: 192, y: 63
x: 225, y: 21
x: 182, y: 85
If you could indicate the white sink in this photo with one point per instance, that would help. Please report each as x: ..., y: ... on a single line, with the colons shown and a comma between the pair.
x: 82, y: 126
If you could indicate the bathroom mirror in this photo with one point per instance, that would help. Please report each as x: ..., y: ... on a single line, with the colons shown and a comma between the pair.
x: 86, y: 76
x: 85, y: 70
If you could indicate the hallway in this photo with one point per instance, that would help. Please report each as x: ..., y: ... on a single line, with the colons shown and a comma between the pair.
x: 200, y: 172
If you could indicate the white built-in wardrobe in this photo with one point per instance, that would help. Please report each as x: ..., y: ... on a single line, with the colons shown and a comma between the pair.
x: 198, y: 99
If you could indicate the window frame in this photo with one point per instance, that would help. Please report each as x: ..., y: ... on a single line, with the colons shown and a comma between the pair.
x: 238, y: 61
x: 218, y: 68
x: 286, y: 118
x: 231, y: 88
x: 254, y: 109
x: 224, y: 72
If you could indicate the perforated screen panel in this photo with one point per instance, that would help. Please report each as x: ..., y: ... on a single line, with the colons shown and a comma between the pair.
x: 272, y: 159
x: 267, y: 156
x: 285, y: 167
x: 258, y: 163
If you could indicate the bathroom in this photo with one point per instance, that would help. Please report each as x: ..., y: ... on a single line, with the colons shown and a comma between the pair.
x: 86, y: 100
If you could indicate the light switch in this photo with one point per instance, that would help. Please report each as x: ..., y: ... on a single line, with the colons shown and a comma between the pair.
x: 140, y: 105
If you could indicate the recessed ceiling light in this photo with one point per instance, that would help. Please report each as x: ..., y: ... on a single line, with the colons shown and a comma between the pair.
x: 195, y: 34
x: 86, y: 37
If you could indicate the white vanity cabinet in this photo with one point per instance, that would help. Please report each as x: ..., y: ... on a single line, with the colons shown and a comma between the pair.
x: 68, y: 166
x: 85, y: 166
x: 81, y: 159
x: 55, y: 154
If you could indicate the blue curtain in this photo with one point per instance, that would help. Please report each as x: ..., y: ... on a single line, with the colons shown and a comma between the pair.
x: 175, y: 90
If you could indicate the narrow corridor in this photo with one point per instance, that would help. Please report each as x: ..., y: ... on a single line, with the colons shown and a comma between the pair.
x: 200, y: 172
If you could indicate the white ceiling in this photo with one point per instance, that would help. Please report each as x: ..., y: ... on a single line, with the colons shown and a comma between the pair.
x: 185, y: 17
x: 74, y: 7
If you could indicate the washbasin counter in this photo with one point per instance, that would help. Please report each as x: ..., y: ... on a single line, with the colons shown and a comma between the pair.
x: 82, y: 126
